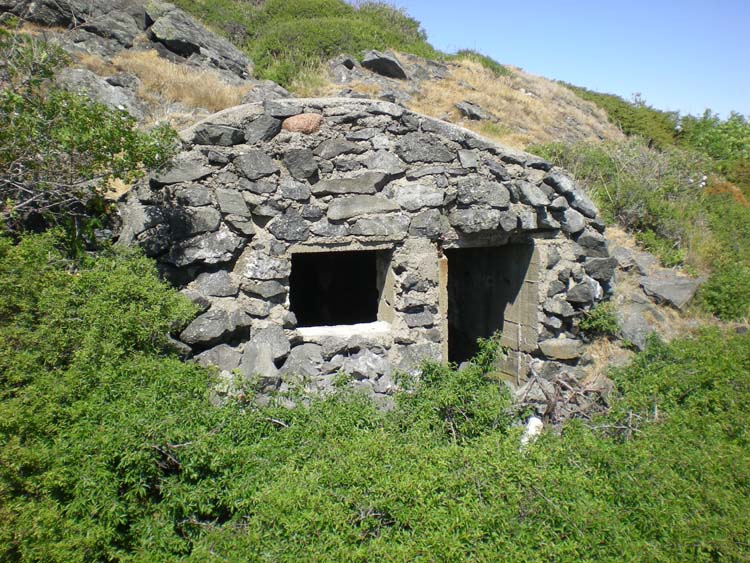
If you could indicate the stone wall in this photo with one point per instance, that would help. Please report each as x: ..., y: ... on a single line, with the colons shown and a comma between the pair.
x: 258, y: 183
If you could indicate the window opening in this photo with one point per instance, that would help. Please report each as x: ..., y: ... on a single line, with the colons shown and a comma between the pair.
x: 336, y: 288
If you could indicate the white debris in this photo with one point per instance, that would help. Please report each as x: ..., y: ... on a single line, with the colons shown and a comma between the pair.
x: 533, y: 428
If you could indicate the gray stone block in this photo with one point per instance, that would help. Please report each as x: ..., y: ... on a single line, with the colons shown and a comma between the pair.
x: 214, y: 326
x: 181, y: 171
x: 668, y: 287
x: 290, y: 226
x: 301, y: 163
x: 475, y: 190
x: 219, y: 135
x: 365, y: 183
x: 216, y: 284
x: 358, y: 205
x: 232, y: 202
x: 422, y: 147
x: 332, y: 148
x: 263, y: 128
x: 255, y: 164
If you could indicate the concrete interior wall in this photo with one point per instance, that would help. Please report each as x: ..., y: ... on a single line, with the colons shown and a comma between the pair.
x: 487, y: 292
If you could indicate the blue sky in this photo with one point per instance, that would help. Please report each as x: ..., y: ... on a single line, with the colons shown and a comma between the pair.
x: 686, y: 56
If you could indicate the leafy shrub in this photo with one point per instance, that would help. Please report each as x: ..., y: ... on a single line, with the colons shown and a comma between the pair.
x: 600, y: 321
x: 59, y: 150
x: 461, y: 404
x: 738, y: 171
x: 110, y: 450
x: 635, y: 118
x: 726, y: 141
x: 726, y: 294
x: 669, y: 252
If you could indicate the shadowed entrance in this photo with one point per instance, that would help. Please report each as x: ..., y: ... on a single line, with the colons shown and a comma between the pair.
x: 483, y: 284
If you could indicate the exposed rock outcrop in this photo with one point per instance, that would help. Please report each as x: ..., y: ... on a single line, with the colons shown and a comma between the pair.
x: 107, y: 26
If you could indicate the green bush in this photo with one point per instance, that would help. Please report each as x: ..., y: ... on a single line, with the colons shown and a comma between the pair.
x: 669, y: 252
x: 288, y: 46
x: 460, y: 405
x: 600, y: 321
x: 59, y: 150
x: 726, y: 294
x: 658, y: 128
x: 726, y: 141
x: 111, y: 451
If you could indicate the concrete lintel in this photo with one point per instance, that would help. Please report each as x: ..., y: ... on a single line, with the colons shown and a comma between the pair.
x: 339, y: 246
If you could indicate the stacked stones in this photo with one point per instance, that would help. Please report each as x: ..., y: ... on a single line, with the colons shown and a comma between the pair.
x: 259, y: 182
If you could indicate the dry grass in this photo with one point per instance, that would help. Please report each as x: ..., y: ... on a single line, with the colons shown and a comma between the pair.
x: 115, y: 189
x: 191, y: 87
x: 31, y: 28
x: 365, y: 88
x: 97, y: 65
x: 605, y: 354
x: 312, y: 82
x: 529, y: 109
x: 722, y: 187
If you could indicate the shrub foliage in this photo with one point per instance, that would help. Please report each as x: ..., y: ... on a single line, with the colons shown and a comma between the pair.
x: 59, y: 150
x: 111, y: 451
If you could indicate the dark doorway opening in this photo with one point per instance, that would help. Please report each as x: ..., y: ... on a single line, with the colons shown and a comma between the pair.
x: 334, y: 288
x: 483, y: 283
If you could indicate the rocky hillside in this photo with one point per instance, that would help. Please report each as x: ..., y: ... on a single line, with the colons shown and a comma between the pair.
x: 512, y: 107
x: 150, y: 59
x: 159, y: 63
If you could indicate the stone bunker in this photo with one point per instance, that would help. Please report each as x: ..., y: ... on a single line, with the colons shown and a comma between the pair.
x: 321, y: 236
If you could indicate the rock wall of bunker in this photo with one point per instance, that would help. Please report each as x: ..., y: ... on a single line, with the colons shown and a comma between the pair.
x: 259, y: 182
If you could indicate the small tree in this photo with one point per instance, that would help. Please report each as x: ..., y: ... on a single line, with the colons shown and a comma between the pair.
x: 59, y: 150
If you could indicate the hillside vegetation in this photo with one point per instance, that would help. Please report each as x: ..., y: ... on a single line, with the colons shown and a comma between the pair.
x: 687, y: 201
x: 112, y: 451
x: 59, y: 150
x: 286, y: 37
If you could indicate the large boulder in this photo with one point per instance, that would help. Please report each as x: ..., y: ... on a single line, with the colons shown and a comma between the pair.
x: 472, y: 111
x: 668, y: 287
x: 117, y: 24
x: 82, y: 81
x: 384, y: 64
x: 182, y: 35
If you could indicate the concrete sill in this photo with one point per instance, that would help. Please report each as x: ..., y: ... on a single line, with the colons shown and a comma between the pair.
x: 313, y: 333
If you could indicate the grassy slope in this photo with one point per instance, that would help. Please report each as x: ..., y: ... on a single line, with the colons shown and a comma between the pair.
x: 285, y: 37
